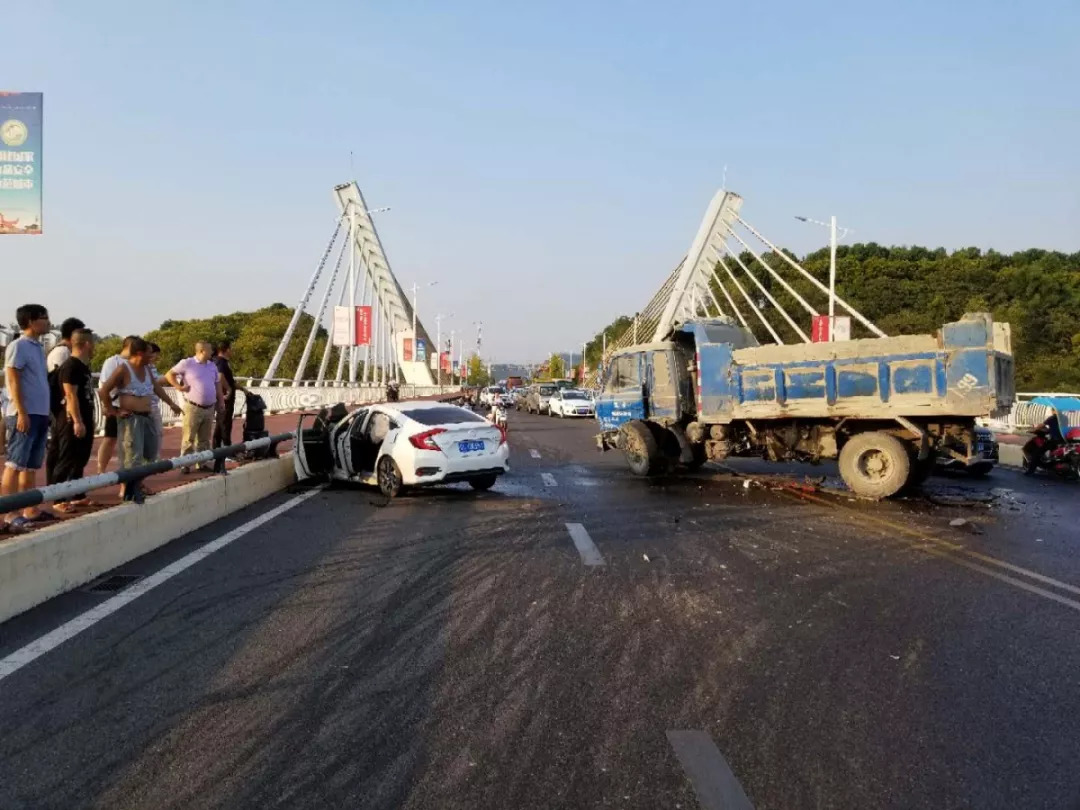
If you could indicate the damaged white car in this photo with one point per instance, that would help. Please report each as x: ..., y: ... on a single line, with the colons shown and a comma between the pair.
x: 401, y: 444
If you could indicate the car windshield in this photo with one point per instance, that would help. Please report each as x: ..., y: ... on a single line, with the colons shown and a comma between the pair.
x: 547, y: 390
x: 573, y: 395
x: 444, y: 415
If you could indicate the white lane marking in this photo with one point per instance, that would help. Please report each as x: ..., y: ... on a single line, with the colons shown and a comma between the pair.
x: 53, y: 639
x: 714, y: 783
x: 549, y: 480
x: 1018, y: 583
x: 534, y: 453
x: 590, y: 554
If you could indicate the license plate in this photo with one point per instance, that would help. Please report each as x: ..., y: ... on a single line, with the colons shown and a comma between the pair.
x: 470, y: 446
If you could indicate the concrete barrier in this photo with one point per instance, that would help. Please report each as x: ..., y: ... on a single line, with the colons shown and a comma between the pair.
x: 57, y: 559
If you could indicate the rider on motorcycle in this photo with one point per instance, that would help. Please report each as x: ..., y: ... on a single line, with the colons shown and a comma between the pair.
x: 1048, y: 437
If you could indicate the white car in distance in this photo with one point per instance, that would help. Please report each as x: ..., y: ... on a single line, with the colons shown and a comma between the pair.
x: 401, y: 444
x: 490, y: 395
x: 571, y: 402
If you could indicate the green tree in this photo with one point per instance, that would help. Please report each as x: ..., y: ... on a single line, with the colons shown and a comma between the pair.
x: 477, y: 371
x: 556, y: 367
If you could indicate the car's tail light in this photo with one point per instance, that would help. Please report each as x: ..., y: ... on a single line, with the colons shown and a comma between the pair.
x: 424, y: 441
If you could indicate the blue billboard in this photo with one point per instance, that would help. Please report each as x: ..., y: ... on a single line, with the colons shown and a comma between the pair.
x: 20, y: 163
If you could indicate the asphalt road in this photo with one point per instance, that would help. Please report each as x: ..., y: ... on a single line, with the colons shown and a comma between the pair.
x: 538, y: 646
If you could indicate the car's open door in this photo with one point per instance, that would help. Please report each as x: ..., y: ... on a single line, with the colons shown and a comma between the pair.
x: 311, y: 452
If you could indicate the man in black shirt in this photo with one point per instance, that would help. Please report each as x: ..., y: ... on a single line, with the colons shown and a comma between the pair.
x: 74, y: 427
x: 223, y: 425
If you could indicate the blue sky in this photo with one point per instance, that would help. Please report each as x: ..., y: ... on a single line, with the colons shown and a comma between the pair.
x: 547, y: 163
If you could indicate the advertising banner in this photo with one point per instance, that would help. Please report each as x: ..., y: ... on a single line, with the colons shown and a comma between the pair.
x: 822, y: 331
x: 363, y: 326
x: 445, y: 361
x: 421, y: 350
x: 342, y: 333
x: 406, y: 350
x: 20, y: 163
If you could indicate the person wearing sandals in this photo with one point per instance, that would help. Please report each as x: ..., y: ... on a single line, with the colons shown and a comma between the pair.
x: 135, y: 384
x: 26, y: 417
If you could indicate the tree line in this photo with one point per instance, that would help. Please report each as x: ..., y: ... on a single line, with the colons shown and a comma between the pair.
x: 254, y: 336
x: 911, y: 290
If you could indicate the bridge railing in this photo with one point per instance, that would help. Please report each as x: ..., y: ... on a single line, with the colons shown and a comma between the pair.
x: 285, y: 396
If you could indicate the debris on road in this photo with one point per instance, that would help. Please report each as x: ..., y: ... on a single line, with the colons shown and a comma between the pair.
x: 959, y: 522
x: 645, y: 557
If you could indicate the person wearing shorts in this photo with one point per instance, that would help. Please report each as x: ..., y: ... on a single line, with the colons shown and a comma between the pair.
x: 26, y: 418
x: 107, y: 448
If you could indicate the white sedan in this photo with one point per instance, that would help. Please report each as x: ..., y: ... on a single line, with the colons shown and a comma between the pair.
x: 401, y: 444
x: 570, y: 402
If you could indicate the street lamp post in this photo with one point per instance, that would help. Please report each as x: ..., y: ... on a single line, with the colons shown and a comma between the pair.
x: 438, y: 347
x: 831, y: 225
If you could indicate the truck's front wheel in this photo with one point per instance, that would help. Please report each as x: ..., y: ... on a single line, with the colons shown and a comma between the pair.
x: 640, y: 448
x: 875, y: 465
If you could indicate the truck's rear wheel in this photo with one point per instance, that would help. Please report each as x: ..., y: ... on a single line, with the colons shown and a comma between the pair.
x: 875, y: 465
x: 640, y: 448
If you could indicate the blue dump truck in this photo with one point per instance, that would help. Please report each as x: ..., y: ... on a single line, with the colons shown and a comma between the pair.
x: 885, y: 407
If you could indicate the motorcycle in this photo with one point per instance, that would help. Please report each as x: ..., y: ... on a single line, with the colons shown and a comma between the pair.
x: 393, y: 391
x: 497, y: 416
x: 1062, y: 458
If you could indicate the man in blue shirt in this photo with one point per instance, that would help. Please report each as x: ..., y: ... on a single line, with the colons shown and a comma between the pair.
x: 26, y: 418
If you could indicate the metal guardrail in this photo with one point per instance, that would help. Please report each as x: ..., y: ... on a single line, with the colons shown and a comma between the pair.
x: 68, y: 489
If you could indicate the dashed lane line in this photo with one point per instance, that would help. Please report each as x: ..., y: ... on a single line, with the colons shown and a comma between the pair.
x: 590, y: 554
x: 714, y: 783
x: 549, y: 480
x: 53, y: 639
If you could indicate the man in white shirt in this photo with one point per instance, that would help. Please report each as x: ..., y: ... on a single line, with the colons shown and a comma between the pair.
x: 61, y: 352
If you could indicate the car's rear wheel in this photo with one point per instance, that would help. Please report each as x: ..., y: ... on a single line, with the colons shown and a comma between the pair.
x: 389, y: 477
x: 483, y: 483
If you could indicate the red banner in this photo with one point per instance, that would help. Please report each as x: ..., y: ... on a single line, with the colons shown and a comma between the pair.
x: 406, y: 350
x: 445, y: 360
x: 363, y: 326
x: 819, y: 331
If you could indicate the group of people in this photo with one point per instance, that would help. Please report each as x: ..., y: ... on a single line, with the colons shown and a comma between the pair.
x: 48, y: 407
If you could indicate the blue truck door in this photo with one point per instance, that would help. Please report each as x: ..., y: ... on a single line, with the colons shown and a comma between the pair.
x: 662, y: 381
x: 623, y: 397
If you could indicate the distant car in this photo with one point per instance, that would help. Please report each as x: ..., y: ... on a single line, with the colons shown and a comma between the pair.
x: 537, y: 399
x: 401, y: 444
x: 571, y: 402
x: 984, y: 459
x: 489, y: 394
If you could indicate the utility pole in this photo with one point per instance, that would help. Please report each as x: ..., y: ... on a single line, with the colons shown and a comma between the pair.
x: 832, y: 277
x: 831, y: 225
x: 352, y: 293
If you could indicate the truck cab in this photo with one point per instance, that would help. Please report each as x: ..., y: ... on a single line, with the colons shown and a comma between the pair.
x: 652, y: 381
x: 657, y: 381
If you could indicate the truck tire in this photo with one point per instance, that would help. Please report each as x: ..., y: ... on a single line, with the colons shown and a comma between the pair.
x: 640, y: 448
x: 875, y: 465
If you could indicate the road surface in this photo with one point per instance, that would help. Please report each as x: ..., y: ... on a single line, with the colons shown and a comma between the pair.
x: 575, y: 638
